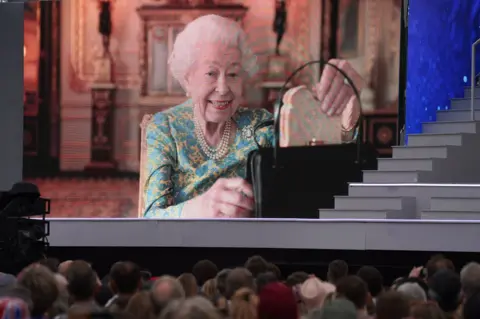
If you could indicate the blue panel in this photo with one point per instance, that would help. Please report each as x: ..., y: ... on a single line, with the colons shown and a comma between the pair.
x: 440, y: 36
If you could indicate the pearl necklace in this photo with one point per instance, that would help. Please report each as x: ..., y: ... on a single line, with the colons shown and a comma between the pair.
x: 221, y: 150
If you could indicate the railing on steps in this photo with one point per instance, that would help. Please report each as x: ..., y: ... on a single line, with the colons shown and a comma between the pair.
x: 473, y: 83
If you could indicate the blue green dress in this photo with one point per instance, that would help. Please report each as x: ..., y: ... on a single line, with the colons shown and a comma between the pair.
x: 176, y: 168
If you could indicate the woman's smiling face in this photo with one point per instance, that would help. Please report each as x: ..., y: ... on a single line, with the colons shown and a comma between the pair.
x: 215, y: 82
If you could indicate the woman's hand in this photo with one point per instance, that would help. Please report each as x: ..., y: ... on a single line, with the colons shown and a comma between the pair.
x: 337, y: 96
x: 415, y: 272
x: 227, y: 198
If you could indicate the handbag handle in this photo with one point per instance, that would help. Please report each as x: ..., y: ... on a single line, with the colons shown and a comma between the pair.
x: 279, y: 105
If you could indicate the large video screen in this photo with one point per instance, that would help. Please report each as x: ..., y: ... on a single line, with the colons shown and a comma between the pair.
x: 114, y: 127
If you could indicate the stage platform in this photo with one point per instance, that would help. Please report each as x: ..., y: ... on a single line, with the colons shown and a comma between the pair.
x: 367, y: 235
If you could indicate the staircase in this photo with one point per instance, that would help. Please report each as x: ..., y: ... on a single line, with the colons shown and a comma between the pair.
x: 437, y: 176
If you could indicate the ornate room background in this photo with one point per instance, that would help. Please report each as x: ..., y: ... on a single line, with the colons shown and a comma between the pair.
x: 71, y: 105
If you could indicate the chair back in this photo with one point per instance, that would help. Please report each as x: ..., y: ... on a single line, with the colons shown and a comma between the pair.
x: 147, y: 118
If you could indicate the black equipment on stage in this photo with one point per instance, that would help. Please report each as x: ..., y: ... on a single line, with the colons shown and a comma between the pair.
x: 295, y: 182
x: 23, y: 239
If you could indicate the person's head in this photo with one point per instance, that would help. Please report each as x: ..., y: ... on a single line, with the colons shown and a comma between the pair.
x: 125, y: 278
x: 470, y: 278
x: 264, y: 279
x: 141, y: 306
x: 313, y: 292
x: 222, y: 281
x: 437, y: 263
x: 392, y: 305
x: 412, y: 290
x: 82, y: 281
x: 276, y: 300
x: 256, y: 265
x: 354, y: 289
x: 373, y: 278
x: 209, y: 289
x: 296, y: 278
x: 445, y: 289
x: 165, y: 290
x: 427, y: 310
x: 274, y: 269
x: 211, y: 60
x: 195, y: 307
x: 471, y: 307
x: 239, y: 278
x: 204, y: 270
x: 337, y: 269
x: 41, y: 283
x: 189, y: 284
x: 63, y: 267
x: 244, y: 304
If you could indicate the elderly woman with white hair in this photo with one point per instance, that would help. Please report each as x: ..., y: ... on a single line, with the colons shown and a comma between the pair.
x: 197, y: 151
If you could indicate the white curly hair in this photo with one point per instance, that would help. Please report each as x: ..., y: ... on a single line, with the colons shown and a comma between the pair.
x: 209, y: 29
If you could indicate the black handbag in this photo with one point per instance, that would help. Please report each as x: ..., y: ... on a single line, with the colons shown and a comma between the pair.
x: 295, y: 182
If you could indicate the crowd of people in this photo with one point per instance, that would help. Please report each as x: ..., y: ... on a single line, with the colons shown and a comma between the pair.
x: 257, y: 290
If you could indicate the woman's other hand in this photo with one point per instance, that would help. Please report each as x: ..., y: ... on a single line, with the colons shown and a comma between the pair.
x: 337, y: 96
x: 227, y: 198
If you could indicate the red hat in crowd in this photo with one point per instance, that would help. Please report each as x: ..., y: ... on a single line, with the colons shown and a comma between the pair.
x: 277, y: 301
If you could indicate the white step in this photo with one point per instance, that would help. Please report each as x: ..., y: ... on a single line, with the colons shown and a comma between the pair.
x: 449, y: 215
x: 450, y: 127
x: 435, y: 139
x: 464, y: 103
x: 373, y: 203
x: 414, y: 189
x: 462, y: 204
x: 423, y: 192
x: 456, y: 115
x: 420, y: 152
x: 405, y: 164
x: 467, y: 90
x: 394, y: 177
x: 362, y: 214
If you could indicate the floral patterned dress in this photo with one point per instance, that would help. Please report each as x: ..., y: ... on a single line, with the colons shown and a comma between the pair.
x: 176, y: 168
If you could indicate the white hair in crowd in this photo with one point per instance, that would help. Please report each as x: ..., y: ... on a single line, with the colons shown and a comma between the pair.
x: 177, y: 291
x: 204, y: 30
x: 61, y: 281
x: 470, y: 278
x: 412, y: 291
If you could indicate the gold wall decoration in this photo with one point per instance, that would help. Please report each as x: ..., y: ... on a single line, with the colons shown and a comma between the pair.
x: 85, y: 43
